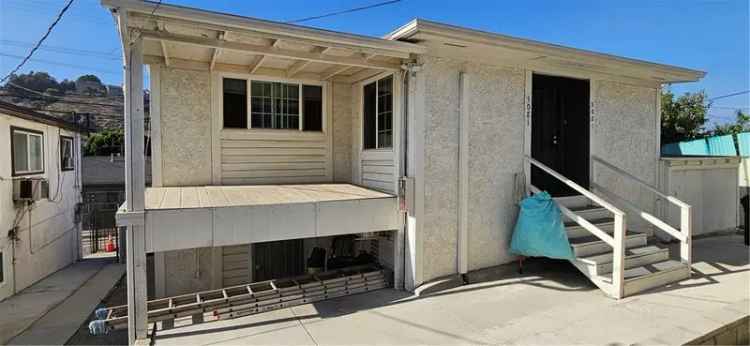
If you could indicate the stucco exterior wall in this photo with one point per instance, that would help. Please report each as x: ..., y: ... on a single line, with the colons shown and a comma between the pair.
x: 188, y: 271
x: 185, y: 127
x: 496, y: 128
x: 47, y: 234
x: 624, y: 134
x: 342, y: 131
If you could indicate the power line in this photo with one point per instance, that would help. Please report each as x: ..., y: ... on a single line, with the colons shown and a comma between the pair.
x: 62, y: 50
x: 729, y: 95
x: 59, y: 98
x: 50, y: 62
x: 362, y: 8
x: 39, y: 43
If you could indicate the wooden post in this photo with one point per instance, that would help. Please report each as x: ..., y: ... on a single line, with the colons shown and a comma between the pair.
x: 686, y: 227
x: 463, y: 174
x: 618, y: 258
x: 135, y: 175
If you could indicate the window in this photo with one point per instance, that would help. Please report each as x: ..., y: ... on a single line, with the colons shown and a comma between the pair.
x: 235, y: 103
x: 67, y: 161
x: 377, y: 111
x: 27, y: 147
x: 273, y: 105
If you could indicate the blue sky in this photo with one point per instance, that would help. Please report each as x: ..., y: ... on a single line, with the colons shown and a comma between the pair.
x: 710, y: 35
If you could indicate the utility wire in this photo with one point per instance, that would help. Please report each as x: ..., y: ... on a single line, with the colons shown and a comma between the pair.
x: 50, y: 62
x: 60, y: 98
x: 39, y: 43
x: 729, y: 95
x: 62, y: 50
x: 362, y: 8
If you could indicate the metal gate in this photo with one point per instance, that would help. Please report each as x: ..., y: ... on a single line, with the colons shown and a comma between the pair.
x: 99, y: 234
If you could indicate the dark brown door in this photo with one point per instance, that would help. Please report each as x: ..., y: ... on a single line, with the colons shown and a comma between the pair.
x: 278, y: 259
x: 560, y: 132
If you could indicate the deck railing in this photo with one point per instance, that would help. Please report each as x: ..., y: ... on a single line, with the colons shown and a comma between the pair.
x: 684, y: 234
x: 616, y: 241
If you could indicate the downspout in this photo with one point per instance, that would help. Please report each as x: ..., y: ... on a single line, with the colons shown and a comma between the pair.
x: 462, y: 251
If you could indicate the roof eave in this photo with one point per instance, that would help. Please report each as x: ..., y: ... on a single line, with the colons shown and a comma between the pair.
x: 668, y: 73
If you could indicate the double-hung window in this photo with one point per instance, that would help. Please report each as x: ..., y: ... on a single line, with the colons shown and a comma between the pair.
x: 377, y: 111
x: 67, y: 161
x: 272, y: 105
x: 28, y: 151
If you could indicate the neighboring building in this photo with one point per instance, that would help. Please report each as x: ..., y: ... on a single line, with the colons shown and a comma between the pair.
x: 45, y: 150
x: 271, y: 139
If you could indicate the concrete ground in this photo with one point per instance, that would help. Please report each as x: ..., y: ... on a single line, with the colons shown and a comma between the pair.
x: 551, y: 303
x: 51, y: 310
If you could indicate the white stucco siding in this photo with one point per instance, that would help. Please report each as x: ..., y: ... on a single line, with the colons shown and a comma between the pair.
x: 441, y: 166
x: 188, y: 271
x: 185, y: 127
x: 47, y: 232
x: 342, y: 131
x: 625, y: 135
x: 496, y: 112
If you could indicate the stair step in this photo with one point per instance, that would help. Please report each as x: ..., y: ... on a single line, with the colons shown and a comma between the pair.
x: 653, y: 275
x: 592, y: 245
x: 589, y: 212
x: 574, y: 230
x: 573, y: 201
x: 634, y: 257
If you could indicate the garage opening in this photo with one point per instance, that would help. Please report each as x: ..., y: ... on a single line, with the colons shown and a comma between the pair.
x: 291, y: 258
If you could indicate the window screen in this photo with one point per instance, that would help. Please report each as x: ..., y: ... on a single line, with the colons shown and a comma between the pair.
x: 378, y: 114
x: 312, y: 108
x: 66, y: 154
x: 274, y: 105
x: 28, y: 152
x: 235, y: 103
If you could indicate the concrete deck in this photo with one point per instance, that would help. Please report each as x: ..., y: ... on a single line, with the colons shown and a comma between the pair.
x: 50, y: 311
x: 551, y: 303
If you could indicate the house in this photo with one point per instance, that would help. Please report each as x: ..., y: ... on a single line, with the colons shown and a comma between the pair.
x: 40, y: 192
x: 271, y: 139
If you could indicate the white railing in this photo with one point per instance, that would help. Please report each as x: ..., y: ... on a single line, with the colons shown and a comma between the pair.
x: 617, y: 240
x: 684, y: 234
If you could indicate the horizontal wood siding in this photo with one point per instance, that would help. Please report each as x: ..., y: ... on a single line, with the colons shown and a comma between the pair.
x: 236, y: 265
x: 274, y: 157
x: 378, y: 170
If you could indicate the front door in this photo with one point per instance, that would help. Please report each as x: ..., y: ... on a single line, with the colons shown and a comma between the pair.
x: 560, y: 132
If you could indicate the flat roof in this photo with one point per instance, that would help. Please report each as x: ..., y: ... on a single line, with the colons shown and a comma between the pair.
x: 160, y: 198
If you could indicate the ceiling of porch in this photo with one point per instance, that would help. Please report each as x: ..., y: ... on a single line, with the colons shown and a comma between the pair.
x: 194, y: 44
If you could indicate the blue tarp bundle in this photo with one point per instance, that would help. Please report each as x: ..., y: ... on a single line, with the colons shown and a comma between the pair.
x: 540, y: 230
x: 743, y: 141
x: 721, y: 146
x: 710, y: 146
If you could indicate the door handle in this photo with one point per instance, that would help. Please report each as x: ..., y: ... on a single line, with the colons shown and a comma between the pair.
x: 554, y: 139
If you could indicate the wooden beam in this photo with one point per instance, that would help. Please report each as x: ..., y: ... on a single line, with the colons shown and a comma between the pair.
x: 329, y: 73
x: 265, y: 50
x: 223, y: 67
x: 362, y: 75
x: 300, y: 65
x: 164, y: 51
x: 259, y: 60
x: 217, y: 51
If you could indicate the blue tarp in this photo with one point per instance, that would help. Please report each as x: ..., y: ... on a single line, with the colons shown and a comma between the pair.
x: 710, y: 146
x: 721, y: 146
x: 540, y: 230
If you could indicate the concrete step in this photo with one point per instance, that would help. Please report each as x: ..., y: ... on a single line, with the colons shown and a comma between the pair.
x: 634, y: 257
x: 653, y: 275
x: 573, y: 201
x: 589, y: 212
x: 592, y: 245
x: 576, y: 231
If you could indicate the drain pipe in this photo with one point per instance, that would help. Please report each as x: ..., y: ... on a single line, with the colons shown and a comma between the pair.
x: 463, y: 177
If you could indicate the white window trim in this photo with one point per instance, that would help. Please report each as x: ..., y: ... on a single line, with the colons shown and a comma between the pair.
x: 28, y: 152
x: 362, y: 85
x: 260, y: 78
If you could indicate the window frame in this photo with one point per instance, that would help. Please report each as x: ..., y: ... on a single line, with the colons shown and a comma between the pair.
x: 394, y: 97
x: 249, y: 78
x: 27, y: 132
x: 72, y: 153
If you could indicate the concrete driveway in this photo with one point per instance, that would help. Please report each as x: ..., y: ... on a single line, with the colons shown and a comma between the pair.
x: 550, y: 304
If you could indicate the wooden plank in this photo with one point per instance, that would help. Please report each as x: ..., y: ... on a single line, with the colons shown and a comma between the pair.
x: 268, y: 134
x: 273, y: 173
x: 377, y: 169
x: 227, y: 167
x: 171, y: 198
x: 386, y: 178
x: 190, y: 198
x: 271, y: 158
x: 274, y: 152
x: 279, y: 143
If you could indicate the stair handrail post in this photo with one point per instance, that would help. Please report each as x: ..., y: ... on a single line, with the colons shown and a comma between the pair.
x: 618, y: 257
x: 686, y: 227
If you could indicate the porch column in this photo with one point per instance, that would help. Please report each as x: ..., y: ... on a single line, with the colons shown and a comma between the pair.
x: 135, y: 187
x: 415, y: 173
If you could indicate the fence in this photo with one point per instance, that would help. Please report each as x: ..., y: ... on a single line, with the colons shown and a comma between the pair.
x: 99, y: 233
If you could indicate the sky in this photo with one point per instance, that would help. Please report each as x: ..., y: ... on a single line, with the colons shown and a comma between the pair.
x: 708, y: 35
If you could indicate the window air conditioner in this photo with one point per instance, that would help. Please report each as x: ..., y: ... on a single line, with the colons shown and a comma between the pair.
x: 28, y: 189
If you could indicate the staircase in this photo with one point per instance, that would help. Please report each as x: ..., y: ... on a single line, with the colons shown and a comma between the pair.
x: 617, y: 260
x: 645, y: 266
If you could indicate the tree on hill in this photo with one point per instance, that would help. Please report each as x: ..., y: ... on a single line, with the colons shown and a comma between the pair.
x: 683, y: 118
x: 39, y: 81
x: 89, y: 78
